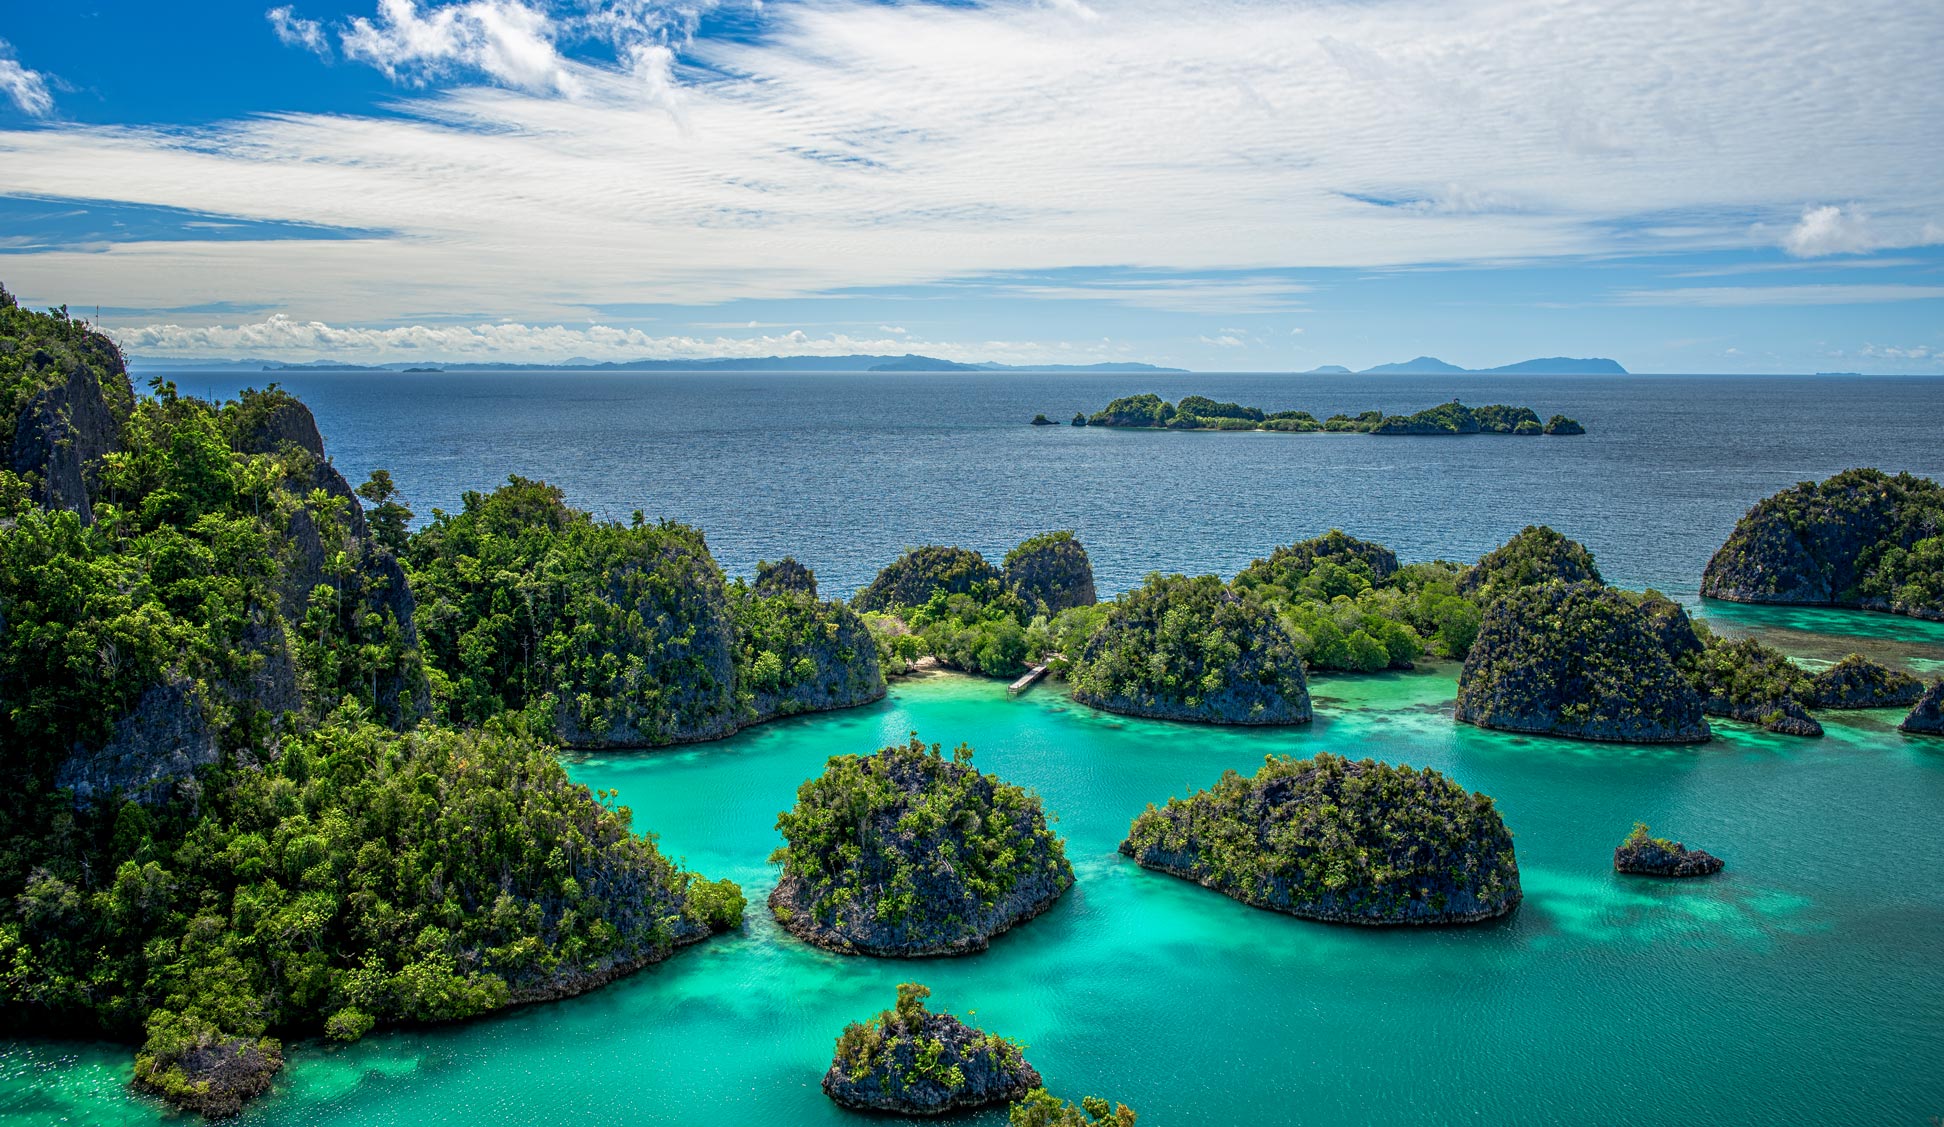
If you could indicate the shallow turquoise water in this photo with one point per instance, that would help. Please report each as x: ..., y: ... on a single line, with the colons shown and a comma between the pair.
x: 1804, y: 985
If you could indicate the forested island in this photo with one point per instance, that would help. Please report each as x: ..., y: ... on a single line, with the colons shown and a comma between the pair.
x: 911, y: 1061
x: 1334, y: 839
x: 1198, y: 412
x: 909, y: 852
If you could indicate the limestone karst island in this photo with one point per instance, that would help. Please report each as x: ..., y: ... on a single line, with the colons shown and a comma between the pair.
x: 830, y: 563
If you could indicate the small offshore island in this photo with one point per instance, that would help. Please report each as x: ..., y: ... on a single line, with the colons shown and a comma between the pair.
x: 1198, y: 412
x: 911, y: 1061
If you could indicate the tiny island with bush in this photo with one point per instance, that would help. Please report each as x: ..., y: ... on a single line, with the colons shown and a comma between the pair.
x: 911, y: 1061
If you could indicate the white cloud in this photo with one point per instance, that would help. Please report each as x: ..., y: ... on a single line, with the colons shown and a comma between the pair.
x: 1915, y: 352
x: 280, y: 336
x: 26, y: 88
x: 860, y: 144
x: 1830, y: 230
x: 1837, y: 294
x: 294, y: 31
x: 505, y: 39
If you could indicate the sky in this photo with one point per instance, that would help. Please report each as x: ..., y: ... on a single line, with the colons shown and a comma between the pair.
x: 1234, y: 185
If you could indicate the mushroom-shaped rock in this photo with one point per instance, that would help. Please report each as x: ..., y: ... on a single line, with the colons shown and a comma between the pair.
x: 1193, y: 649
x: 1927, y: 719
x: 1646, y: 855
x: 1340, y: 840
x: 1536, y: 555
x: 909, y: 852
x: 1576, y: 660
x: 1858, y: 682
x: 1287, y: 566
x: 911, y: 1061
x: 1051, y: 572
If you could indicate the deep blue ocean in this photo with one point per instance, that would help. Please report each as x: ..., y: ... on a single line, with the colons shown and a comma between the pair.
x: 845, y: 471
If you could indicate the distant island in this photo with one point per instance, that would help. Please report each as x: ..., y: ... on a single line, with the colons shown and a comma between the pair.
x: 1198, y: 412
x: 1545, y: 365
x: 852, y: 363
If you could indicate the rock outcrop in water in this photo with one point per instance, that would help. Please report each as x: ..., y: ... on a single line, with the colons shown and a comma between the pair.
x: 1858, y: 682
x: 1646, y: 855
x: 1178, y: 648
x: 1333, y: 839
x: 908, y: 852
x: 1576, y: 660
x: 1861, y: 539
x: 1927, y: 719
x: 1561, y: 425
x: 194, y: 1068
x: 1051, y: 573
x: 910, y: 1061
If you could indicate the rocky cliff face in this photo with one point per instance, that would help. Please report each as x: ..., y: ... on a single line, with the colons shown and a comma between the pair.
x: 1535, y: 556
x: 1337, y: 840
x: 1851, y: 541
x: 1153, y: 658
x: 1927, y: 719
x: 154, y: 751
x: 797, y: 653
x: 1576, y: 660
x: 910, y: 579
x: 1287, y: 566
x: 62, y: 432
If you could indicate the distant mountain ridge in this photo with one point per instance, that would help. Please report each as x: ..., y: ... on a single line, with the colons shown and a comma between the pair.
x: 854, y: 363
x: 1545, y: 365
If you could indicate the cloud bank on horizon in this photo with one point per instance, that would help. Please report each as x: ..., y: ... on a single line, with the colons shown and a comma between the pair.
x: 1267, y: 184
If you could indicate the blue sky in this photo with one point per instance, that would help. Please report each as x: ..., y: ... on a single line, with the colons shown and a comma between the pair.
x: 1216, y: 184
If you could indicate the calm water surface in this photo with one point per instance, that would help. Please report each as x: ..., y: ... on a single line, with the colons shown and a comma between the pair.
x: 1804, y: 985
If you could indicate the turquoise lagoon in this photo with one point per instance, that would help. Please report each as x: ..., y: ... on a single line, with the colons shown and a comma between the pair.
x: 1805, y: 985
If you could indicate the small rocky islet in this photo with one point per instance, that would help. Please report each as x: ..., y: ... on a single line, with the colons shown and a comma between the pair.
x: 910, y: 852
x: 1338, y: 840
x: 1927, y: 718
x: 911, y: 1061
x: 1643, y: 854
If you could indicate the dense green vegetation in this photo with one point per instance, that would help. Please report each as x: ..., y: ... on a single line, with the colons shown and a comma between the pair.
x: 1193, y: 649
x: 909, y: 851
x: 910, y: 1060
x: 1041, y: 1108
x: 911, y: 579
x: 1051, y: 572
x: 1349, y: 606
x: 1329, y: 838
x: 1860, y: 539
x: 1198, y: 412
x: 219, y: 824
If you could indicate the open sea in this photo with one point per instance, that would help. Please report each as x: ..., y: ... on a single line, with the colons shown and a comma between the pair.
x: 1804, y: 985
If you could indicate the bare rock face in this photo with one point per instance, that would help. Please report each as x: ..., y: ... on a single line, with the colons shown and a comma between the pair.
x: 909, y: 1061
x: 1927, y: 719
x: 1644, y: 855
x: 161, y: 743
x: 63, y: 431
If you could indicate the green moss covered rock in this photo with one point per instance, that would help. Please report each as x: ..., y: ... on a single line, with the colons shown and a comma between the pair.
x: 911, y: 579
x: 1643, y: 854
x: 1858, y: 682
x: 1289, y: 566
x: 1860, y: 539
x: 1757, y: 684
x: 1576, y: 660
x: 1340, y: 840
x: 910, y: 852
x: 1051, y: 573
x: 1536, y: 555
x: 1178, y: 648
x: 910, y: 1061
